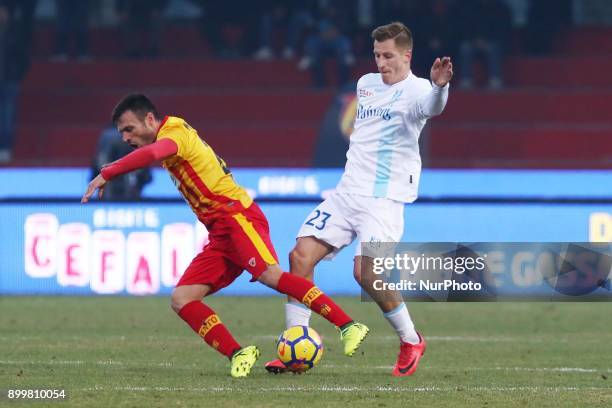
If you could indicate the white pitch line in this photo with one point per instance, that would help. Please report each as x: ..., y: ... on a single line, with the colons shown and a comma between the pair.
x: 471, y: 339
x: 168, y: 364
x: 81, y: 362
x: 342, y: 389
x: 536, y: 369
x: 51, y: 362
x: 487, y: 339
x: 266, y: 337
x: 556, y: 369
x: 466, y: 339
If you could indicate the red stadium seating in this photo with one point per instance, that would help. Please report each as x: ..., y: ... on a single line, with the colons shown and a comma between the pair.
x: 553, y: 113
x: 533, y: 106
x: 209, y: 107
x: 587, y: 41
x: 522, y: 145
x: 253, y: 145
x: 165, y: 73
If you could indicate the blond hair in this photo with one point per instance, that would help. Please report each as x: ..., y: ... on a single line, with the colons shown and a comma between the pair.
x: 396, y: 31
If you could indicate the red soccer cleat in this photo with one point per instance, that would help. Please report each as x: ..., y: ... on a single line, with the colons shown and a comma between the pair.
x: 276, y: 367
x: 408, y: 358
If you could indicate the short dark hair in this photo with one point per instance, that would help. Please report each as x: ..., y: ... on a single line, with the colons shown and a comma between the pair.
x: 137, y: 103
x: 395, y: 30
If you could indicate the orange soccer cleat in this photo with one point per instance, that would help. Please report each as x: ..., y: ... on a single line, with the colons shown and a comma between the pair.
x: 408, y: 358
x: 276, y: 367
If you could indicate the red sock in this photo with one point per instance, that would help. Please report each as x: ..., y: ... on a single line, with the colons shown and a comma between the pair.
x: 204, y: 321
x: 311, y: 296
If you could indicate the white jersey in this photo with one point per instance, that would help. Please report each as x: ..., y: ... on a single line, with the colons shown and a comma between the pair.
x: 383, y: 159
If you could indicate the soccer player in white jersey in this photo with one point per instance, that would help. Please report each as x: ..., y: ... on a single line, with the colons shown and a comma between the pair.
x: 381, y: 174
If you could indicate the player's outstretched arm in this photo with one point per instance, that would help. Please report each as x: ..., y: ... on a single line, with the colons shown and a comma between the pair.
x: 142, y: 157
x: 441, y: 71
x: 432, y: 103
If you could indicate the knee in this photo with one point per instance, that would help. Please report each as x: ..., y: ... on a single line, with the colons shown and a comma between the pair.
x: 183, y: 295
x: 300, y: 262
x: 271, y: 276
x: 178, y: 300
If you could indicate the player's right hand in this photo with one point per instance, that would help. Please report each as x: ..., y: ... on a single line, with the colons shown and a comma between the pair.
x: 442, y: 71
x: 95, y: 184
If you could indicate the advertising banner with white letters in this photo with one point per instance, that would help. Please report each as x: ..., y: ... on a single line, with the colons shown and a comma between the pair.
x: 143, y: 248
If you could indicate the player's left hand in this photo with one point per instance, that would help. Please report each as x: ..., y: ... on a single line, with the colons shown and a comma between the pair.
x: 95, y: 184
x: 442, y: 71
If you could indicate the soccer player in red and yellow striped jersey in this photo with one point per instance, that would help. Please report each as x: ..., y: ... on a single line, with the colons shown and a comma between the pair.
x: 239, y: 235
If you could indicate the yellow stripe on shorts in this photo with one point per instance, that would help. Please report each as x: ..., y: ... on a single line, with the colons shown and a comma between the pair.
x: 253, y: 235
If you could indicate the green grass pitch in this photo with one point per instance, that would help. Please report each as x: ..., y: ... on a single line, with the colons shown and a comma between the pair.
x: 133, y: 352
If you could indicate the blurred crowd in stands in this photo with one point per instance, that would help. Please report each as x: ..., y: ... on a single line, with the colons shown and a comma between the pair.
x: 304, y: 31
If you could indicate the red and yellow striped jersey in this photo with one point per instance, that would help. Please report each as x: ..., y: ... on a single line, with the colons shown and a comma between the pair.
x: 201, y: 176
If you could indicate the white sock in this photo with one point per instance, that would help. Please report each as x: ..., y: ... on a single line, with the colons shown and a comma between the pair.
x: 402, y: 323
x: 296, y: 314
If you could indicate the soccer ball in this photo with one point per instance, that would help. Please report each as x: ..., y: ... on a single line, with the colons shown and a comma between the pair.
x: 300, y: 348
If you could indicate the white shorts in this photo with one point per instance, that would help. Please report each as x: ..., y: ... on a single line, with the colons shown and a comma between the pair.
x: 343, y: 217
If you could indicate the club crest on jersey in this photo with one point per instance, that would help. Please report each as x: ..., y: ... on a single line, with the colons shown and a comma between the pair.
x: 364, y: 93
x: 252, y: 262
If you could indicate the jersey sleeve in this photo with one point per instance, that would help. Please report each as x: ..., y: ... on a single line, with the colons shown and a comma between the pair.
x: 431, y: 101
x: 177, y: 134
x: 140, y: 158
